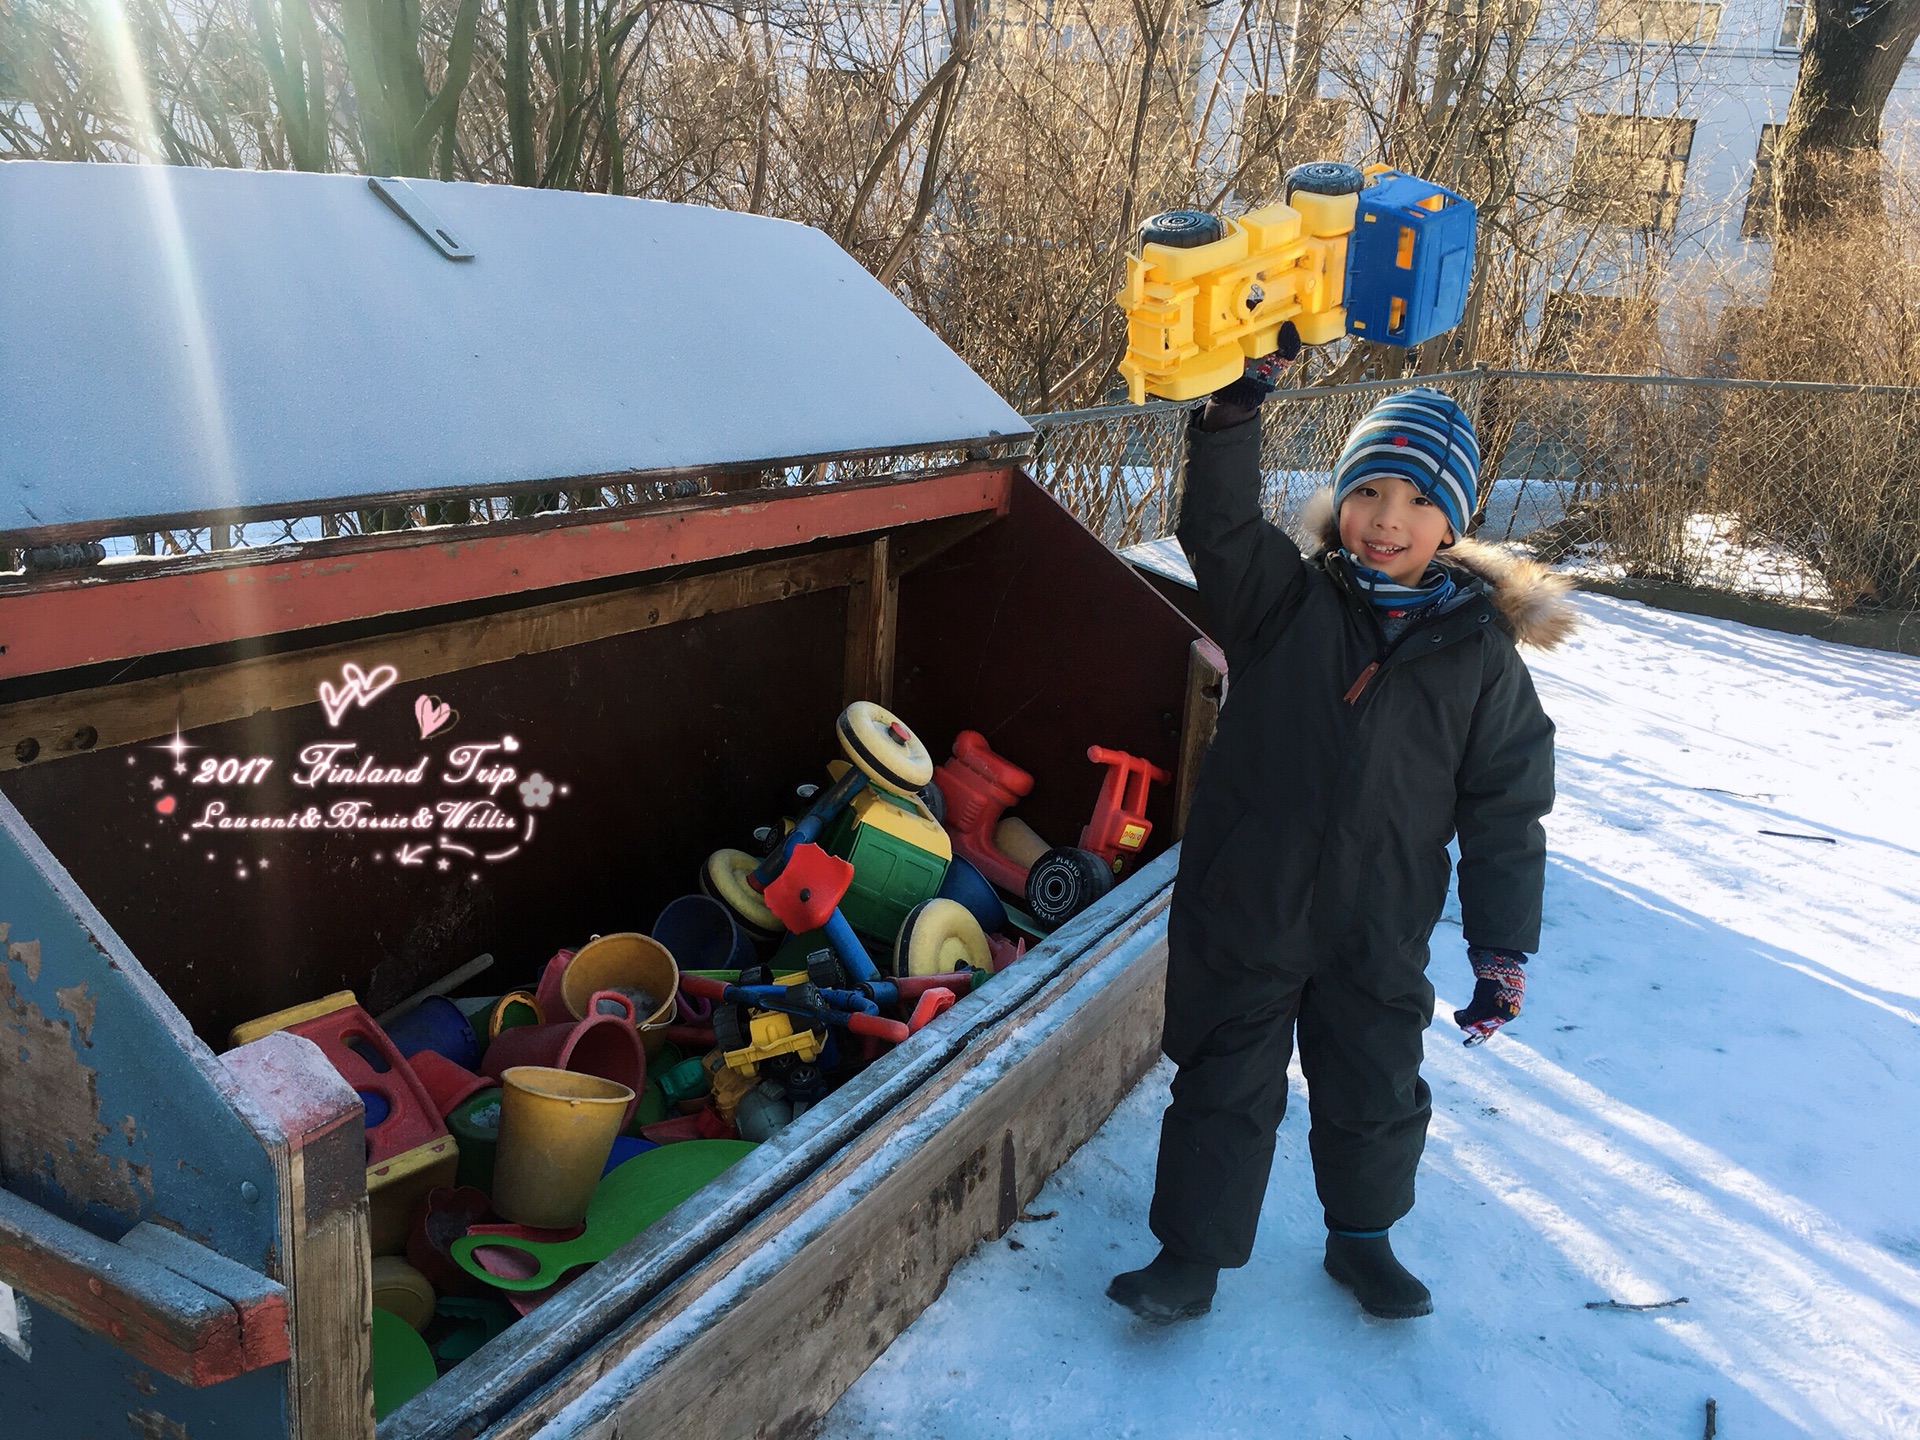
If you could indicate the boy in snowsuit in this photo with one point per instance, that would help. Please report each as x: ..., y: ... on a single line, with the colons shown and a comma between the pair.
x: 1376, y: 708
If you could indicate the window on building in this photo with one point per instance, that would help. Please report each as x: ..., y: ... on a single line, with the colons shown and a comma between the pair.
x: 1795, y: 18
x: 1758, y: 217
x: 1659, y: 22
x: 1580, y: 330
x: 1734, y: 334
x: 1629, y: 169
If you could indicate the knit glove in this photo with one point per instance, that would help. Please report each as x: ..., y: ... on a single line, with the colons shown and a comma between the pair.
x: 1499, y: 985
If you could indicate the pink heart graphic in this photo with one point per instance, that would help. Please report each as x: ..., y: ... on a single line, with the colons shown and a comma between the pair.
x: 433, y: 713
x: 358, y: 687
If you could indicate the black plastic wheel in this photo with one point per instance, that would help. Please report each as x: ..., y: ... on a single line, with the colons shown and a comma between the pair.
x: 828, y: 971
x: 801, y: 1080
x: 1326, y: 177
x: 1182, y: 229
x: 806, y: 995
x: 1065, y: 881
x: 729, y: 1027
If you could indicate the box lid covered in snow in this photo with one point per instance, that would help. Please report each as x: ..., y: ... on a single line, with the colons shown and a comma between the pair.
x: 189, y: 342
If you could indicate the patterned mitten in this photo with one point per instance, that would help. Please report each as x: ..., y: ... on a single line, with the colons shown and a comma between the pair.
x: 1261, y: 377
x: 1499, y: 985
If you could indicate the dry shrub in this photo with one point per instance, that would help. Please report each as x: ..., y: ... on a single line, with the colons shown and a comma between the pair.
x: 1829, y: 474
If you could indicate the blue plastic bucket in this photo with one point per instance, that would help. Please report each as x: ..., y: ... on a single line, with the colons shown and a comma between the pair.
x: 625, y: 1147
x: 436, y: 1023
x: 968, y: 886
x: 700, y: 935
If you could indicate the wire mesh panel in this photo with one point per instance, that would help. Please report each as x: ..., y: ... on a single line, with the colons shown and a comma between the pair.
x: 1800, y: 492
x: 248, y: 538
x: 1791, y: 491
x: 1116, y: 467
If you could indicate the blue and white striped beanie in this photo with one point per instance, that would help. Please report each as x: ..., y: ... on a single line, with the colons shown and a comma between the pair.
x: 1421, y: 436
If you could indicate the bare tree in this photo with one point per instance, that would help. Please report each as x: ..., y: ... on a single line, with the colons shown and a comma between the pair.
x: 991, y: 165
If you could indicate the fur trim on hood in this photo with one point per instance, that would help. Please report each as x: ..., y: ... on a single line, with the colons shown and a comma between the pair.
x: 1531, y: 599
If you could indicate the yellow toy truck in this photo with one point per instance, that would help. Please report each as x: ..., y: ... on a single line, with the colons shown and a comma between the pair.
x: 1372, y: 253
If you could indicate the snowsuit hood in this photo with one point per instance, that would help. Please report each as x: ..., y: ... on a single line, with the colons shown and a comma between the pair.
x: 1530, y: 599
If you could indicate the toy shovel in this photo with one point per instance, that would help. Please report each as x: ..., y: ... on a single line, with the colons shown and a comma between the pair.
x: 627, y: 1201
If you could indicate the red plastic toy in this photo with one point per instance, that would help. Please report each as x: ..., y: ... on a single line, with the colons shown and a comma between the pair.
x: 1120, y: 825
x: 930, y: 1004
x: 367, y: 1060
x: 978, y: 787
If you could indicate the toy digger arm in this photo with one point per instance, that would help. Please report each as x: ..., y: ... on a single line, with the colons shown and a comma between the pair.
x: 1250, y: 574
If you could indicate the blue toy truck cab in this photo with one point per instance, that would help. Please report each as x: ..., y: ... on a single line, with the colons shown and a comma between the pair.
x: 1408, y: 260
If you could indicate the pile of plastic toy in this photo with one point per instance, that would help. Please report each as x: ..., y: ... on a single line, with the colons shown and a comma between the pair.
x: 514, y: 1139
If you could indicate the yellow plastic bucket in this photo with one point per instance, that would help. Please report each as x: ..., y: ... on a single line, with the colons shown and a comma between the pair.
x: 625, y: 962
x: 556, y: 1131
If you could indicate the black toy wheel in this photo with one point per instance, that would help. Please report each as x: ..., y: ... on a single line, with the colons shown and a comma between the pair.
x: 802, y: 1081
x: 1182, y: 229
x: 1326, y: 177
x: 828, y: 971
x: 729, y: 1027
x: 1065, y: 881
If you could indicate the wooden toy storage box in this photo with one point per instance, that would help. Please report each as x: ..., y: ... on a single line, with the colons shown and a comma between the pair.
x: 765, y: 489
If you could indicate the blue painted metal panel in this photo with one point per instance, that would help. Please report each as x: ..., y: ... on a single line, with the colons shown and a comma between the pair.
x: 77, y: 1386
x: 111, y: 1111
x: 182, y: 341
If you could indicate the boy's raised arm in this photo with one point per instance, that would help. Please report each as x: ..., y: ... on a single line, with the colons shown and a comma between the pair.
x: 1249, y: 572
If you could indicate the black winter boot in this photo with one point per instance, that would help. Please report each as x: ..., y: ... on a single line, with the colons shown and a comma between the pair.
x: 1384, y: 1287
x: 1168, y: 1289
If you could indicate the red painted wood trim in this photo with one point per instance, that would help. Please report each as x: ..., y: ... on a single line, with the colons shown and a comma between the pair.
x: 162, y: 1320
x: 98, y: 620
x: 260, y: 1304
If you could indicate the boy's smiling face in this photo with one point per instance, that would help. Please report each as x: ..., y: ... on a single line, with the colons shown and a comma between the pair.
x: 1389, y: 526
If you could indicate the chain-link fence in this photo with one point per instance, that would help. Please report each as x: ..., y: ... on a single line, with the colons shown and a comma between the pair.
x: 1800, y: 492
x: 304, y: 528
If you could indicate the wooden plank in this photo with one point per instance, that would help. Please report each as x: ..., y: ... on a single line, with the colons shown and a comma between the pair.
x: 1036, y: 634
x: 83, y: 720
x: 310, y: 1121
x: 873, y: 608
x: 915, y: 545
x: 260, y: 1303
x: 82, y: 621
x: 795, y: 1307
x: 1206, y: 693
x: 161, y: 1320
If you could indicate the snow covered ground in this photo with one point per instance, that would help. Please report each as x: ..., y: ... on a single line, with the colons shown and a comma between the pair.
x: 1720, y: 554
x: 1714, y: 1092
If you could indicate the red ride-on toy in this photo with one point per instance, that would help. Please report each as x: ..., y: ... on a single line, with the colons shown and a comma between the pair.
x: 1058, y: 882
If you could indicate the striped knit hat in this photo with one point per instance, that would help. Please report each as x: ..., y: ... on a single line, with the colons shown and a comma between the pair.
x: 1421, y: 436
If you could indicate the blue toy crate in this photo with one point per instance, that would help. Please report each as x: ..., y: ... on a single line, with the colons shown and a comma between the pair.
x: 1408, y: 260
